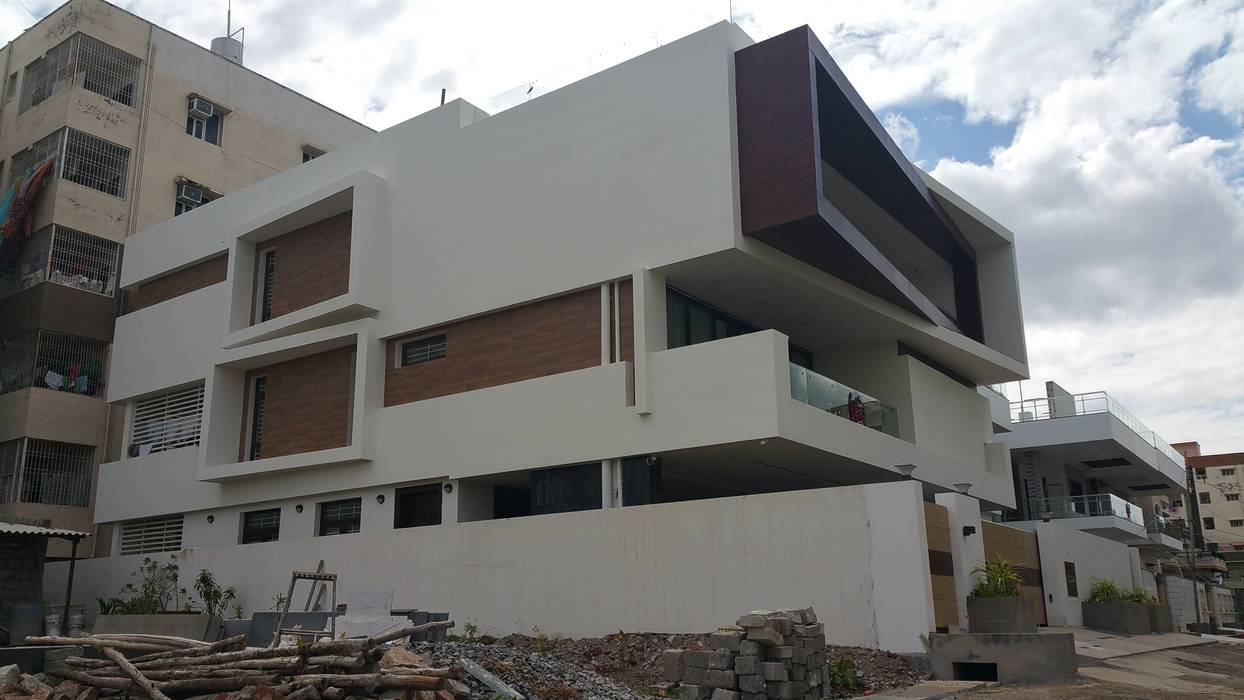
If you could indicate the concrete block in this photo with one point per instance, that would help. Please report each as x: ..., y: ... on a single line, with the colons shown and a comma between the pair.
x: 783, y: 625
x: 798, y: 672
x: 987, y: 615
x: 754, y: 696
x: 672, y: 666
x: 809, y: 630
x: 10, y: 676
x: 723, y: 694
x: 765, y: 635
x: 1016, y: 658
x: 1120, y: 618
x: 747, y: 664
x: 726, y: 639
x: 720, y: 679
x: 748, y: 647
x: 780, y: 652
x: 754, y: 619
x: 809, y: 616
x: 694, y: 692
x: 1160, y: 620
x: 774, y: 671
x: 780, y: 690
x: 694, y: 675
x: 752, y: 684
x: 721, y: 660
x: 697, y: 658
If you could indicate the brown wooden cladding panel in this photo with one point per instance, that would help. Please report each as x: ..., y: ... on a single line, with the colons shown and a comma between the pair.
x: 1019, y: 547
x: 312, y: 265
x: 626, y: 321
x: 941, y: 566
x: 307, y: 404
x: 184, y: 281
x: 535, y: 340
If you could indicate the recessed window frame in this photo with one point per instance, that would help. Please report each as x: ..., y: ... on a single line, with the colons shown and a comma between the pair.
x: 335, y: 509
x: 255, y: 407
x: 1236, y: 523
x: 1207, y: 523
x: 265, y: 287
x: 429, y: 339
x: 426, y: 520
x: 1205, y: 498
x: 1233, y: 497
x: 205, y: 129
x: 1228, y: 471
x: 1073, y: 584
x: 258, y: 526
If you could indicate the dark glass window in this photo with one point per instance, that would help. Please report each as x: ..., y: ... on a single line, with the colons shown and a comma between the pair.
x: 1204, y: 497
x: 422, y: 350
x: 689, y: 321
x: 1207, y: 523
x: 1073, y: 588
x: 259, y: 389
x: 340, y: 517
x: 269, y: 283
x: 261, y: 525
x: 417, y: 506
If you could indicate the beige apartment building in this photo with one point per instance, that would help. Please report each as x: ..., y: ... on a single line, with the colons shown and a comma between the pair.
x: 140, y: 125
x: 1219, y: 480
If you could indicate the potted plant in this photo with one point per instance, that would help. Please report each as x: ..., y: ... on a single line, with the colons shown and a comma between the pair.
x: 996, y: 604
x: 156, y: 591
x: 1130, y: 611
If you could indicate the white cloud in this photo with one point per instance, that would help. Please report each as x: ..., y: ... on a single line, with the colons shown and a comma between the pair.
x: 904, y: 133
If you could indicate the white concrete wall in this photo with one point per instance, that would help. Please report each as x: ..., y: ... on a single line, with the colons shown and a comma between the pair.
x: 856, y: 554
x: 1094, y: 557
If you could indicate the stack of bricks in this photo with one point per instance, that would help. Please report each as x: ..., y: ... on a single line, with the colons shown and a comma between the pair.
x: 769, y: 654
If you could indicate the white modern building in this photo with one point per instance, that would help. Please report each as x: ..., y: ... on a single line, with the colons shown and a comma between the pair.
x: 700, y: 298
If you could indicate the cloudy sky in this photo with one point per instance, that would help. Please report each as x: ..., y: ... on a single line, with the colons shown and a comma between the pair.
x: 1108, y: 136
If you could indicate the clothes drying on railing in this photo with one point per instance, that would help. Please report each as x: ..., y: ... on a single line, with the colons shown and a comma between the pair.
x: 15, y: 226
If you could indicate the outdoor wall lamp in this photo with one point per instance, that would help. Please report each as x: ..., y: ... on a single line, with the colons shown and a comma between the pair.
x: 449, y: 488
x: 905, y: 470
x: 380, y: 498
x: 969, y: 530
x: 962, y: 488
x: 298, y: 508
x: 211, y: 519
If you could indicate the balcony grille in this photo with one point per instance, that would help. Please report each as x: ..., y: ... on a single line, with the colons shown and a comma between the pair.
x: 152, y: 535
x: 86, y: 62
x: 25, y: 161
x: 66, y: 257
x: 167, y: 422
x: 82, y: 158
x: 51, y: 360
x: 42, y: 471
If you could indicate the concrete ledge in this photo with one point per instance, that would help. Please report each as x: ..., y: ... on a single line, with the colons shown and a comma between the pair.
x: 1120, y: 618
x: 1006, y: 658
x: 994, y: 615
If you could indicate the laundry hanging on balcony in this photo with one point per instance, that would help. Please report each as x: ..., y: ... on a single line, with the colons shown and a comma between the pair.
x: 15, y: 225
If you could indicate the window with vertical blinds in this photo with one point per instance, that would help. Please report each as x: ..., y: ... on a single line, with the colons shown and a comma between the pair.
x: 167, y: 421
x: 152, y: 535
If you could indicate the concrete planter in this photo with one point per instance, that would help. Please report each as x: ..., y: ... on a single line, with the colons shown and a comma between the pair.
x: 1120, y: 618
x: 189, y: 625
x: 1160, y: 620
x: 994, y: 615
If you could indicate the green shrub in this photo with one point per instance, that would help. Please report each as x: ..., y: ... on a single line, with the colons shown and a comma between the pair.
x: 1105, y: 591
x: 998, y: 579
x: 1139, y: 595
x: 842, y: 676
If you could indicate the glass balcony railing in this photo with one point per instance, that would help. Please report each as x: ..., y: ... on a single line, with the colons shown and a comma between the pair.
x: 1094, y: 505
x: 1086, y: 404
x: 1166, y: 526
x: 841, y: 400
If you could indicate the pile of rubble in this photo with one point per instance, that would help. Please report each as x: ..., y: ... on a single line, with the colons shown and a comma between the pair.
x: 530, y: 673
x: 769, y: 654
x: 224, y: 670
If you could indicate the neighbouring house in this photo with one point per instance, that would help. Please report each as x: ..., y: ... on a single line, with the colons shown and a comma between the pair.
x: 642, y: 352
x: 139, y: 125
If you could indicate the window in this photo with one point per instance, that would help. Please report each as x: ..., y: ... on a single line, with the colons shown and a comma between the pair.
x: 42, y: 471
x: 167, y: 421
x: 1069, y: 571
x: 259, y: 391
x: 310, y: 153
x: 24, y: 162
x: 10, y: 87
x: 1207, y: 523
x: 422, y: 350
x: 152, y: 535
x: 267, y: 284
x: 191, y: 195
x: 417, y: 506
x: 85, y: 62
x: 200, y: 124
x: 1200, y: 472
x: 1204, y: 497
x: 690, y: 321
x: 93, y: 162
x: 1177, y: 503
x: 261, y: 526
x: 1233, y: 497
x: 1230, y: 471
x: 56, y: 361
x: 1237, y: 523
x: 340, y: 517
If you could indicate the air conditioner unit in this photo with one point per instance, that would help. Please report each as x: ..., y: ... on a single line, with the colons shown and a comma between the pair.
x: 189, y: 194
x: 201, y: 108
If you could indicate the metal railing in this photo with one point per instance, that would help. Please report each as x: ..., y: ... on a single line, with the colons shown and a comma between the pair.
x: 42, y: 471
x: 51, y: 360
x: 1089, y: 506
x: 87, y: 63
x: 1165, y: 526
x: 66, y: 257
x: 1086, y: 404
x: 841, y: 400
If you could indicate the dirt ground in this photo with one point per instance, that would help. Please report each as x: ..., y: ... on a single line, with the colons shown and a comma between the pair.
x: 1209, y: 672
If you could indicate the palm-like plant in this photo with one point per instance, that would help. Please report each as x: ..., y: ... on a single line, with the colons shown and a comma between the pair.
x: 998, y: 579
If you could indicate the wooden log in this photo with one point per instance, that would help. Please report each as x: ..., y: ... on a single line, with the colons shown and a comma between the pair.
x: 333, y: 693
x: 134, y: 674
x: 164, y: 639
x: 407, y: 631
x: 91, y: 642
x: 35, y: 687
x: 412, y: 670
x: 338, y: 661
x: 200, y: 685
x: 83, y: 662
x: 372, y: 681
x: 60, y: 671
x: 213, y: 648
x: 221, y: 657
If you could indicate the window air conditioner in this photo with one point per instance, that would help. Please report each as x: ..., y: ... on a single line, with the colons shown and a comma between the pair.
x: 201, y: 108
x: 189, y: 194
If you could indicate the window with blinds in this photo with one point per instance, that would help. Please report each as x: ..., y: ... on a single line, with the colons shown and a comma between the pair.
x: 423, y: 349
x: 167, y: 421
x: 152, y: 535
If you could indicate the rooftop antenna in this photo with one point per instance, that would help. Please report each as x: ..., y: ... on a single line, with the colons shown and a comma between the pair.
x: 227, y: 46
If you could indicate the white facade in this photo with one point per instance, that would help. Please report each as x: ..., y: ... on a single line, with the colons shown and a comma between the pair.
x: 628, y: 176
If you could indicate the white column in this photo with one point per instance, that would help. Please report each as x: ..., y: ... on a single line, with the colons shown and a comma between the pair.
x: 449, y: 502
x: 648, y: 308
x: 967, y: 551
x: 611, y: 483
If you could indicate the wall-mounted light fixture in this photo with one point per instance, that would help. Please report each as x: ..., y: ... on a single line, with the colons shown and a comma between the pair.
x: 211, y: 519
x: 905, y: 470
x: 298, y: 508
x: 449, y: 488
x: 963, y: 487
x: 969, y: 530
x: 380, y: 498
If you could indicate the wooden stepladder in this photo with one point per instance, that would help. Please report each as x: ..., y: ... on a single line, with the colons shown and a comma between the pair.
x: 315, y: 577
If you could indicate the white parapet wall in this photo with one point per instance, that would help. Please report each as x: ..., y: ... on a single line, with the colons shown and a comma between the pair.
x: 858, y: 554
x: 1091, y: 557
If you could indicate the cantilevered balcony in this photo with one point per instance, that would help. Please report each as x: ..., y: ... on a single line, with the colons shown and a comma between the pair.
x: 1102, y: 514
x: 841, y: 400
